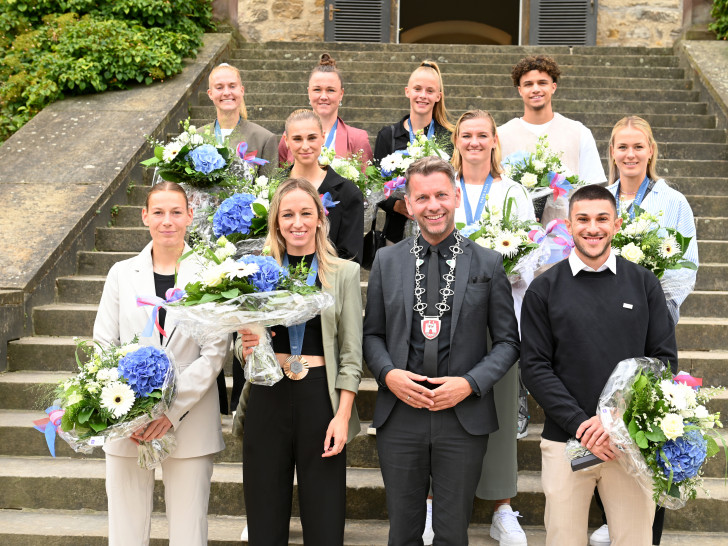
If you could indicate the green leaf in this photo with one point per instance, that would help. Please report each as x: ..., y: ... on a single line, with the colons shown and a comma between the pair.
x: 85, y: 414
x: 209, y: 297
x: 230, y: 294
x: 260, y: 210
x: 713, y: 448
x: 656, y: 435
x: 633, y: 428
x: 640, y: 439
x: 98, y: 426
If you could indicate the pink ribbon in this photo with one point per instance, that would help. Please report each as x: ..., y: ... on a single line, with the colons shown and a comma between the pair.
x: 50, y: 425
x: 689, y: 380
x: 560, y: 241
x: 393, y: 185
x: 560, y: 185
x: 172, y: 295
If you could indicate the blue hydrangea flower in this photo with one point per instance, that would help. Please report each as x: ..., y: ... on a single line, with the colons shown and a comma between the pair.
x: 144, y: 370
x: 269, y: 274
x: 206, y: 159
x: 234, y: 215
x: 685, y: 455
x: 468, y: 230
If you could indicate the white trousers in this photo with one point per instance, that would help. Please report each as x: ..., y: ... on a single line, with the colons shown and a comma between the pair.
x: 130, y: 492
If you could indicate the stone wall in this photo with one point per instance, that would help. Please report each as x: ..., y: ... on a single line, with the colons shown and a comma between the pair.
x: 652, y: 23
x: 281, y: 20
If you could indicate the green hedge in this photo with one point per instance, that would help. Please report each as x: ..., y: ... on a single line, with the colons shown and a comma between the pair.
x: 54, y: 48
x: 719, y: 14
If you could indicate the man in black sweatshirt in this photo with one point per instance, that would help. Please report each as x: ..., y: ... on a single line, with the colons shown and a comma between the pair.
x: 579, y: 320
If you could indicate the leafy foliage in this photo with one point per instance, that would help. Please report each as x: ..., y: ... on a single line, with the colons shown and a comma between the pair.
x: 50, y: 49
x: 719, y: 13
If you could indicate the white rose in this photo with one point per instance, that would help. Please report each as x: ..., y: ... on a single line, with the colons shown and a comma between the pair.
x: 262, y: 181
x: 672, y: 426
x: 415, y: 151
x: 215, y: 274
x: 539, y: 165
x: 196, y: 140
x: 633, y: 253
x: 529, y: 180
x: 123, y: 351
x: 701, y: 412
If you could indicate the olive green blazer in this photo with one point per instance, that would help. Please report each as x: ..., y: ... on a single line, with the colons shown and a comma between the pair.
x: 341, y: 328
x: 259, y: 139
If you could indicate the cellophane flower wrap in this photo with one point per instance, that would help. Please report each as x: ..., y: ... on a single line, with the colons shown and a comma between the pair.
x: 643, y: 241
x: 662, y: 426
x: 117, y: 391
x: 253, y: 293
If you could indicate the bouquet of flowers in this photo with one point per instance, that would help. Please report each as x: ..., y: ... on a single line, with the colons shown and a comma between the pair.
x: 253, y: 292
x: 542, y: 173
x: 661, y: 250
x: 662, y: 426
x: 117, y: 391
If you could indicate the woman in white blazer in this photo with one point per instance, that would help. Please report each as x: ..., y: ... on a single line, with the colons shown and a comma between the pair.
x: 195, y: 414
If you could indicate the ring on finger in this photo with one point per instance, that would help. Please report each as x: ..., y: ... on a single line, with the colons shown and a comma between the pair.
x: 408, y: 397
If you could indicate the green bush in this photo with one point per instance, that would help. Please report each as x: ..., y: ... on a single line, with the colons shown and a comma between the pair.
x: 54, y: 48
x: 720, y: 19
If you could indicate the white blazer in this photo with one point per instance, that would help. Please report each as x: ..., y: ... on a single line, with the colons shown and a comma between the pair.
x: 195, y: 413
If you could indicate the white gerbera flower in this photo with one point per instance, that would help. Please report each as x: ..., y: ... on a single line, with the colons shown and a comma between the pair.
x: 529, y: 180
x: 118, y: 398
x: 242, y: 270
x: 171, y: 150
x: 507, y: 244
x: 391, y: 162
x: 215, y: 274
x: 669, y: 247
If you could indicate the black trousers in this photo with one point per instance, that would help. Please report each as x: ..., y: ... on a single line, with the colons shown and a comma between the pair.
x: 657, y: 525
x: 238, y: 384
x: 415, y: 445
x: 285, y: 428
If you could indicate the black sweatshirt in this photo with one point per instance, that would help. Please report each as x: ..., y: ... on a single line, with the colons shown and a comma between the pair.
x: 576, y: 329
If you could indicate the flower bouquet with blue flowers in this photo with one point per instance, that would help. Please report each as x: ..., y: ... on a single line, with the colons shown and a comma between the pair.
x: 116, y: 391
x: 254, y: 292
x: 662, y: 427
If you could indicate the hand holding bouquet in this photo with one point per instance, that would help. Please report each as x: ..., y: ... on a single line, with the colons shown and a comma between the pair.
x: 116, y: 392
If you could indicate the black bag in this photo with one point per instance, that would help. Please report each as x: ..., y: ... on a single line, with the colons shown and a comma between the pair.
x: 373, y: 241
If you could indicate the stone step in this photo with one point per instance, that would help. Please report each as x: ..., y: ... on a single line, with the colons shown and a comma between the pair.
x: 712, y: 276
x: 446, y: 58
x: 436, y: 49
x: 618, y: 104
x: 711, y: 366
x: 715, y: 229
x: 80, y: 288
x: 713, y: 251
x: 125, y: 239
x: 257, y: 92
x: 708, y: 205
x: 32, y: 483
x: 702, y: 334
x: 129, y: 216
x: 400, y: 71
x: 29, y: 390
x: 138, y: 194
x: 705, y: 303
x: 700, y: 185
x: 43, y: 353
x: 64, y: 319
x: 98, y: 262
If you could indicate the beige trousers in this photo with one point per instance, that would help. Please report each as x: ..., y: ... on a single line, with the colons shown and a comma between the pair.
x: 630, y: 510
x: 130, y: 494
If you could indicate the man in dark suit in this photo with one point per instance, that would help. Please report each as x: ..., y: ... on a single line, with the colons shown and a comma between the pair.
x: 425, y: 335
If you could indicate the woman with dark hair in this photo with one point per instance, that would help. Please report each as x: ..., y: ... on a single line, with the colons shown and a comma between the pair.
x: 345, y: 203
x: 428, y: 113
x: 304, y: 421
x: 325, y: 94
x: 195, y: 413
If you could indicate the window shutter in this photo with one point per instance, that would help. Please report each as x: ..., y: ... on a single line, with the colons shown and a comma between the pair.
x: 563, y: 22
x: 357, y: 20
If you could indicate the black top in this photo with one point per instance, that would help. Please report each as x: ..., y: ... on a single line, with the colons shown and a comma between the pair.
x: 576, y: 329
x: 313, y: 341
x: 162, y: 283
x: 390, y: 139
x: 346, y: 219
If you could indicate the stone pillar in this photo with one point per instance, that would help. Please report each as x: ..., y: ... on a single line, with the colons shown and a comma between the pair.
x: 653, y: 23
x: 281, y: 20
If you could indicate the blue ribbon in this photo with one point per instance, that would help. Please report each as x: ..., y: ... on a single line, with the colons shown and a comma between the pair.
x: 469, y: 219
x: 637, y: 198
x: 332, y: 134
x: 430, y: 131
x: 218, y: 131
x: 297, y: 331
x: 49, y: 425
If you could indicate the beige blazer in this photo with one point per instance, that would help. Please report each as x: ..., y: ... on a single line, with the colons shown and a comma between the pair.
x: 195, y: 413
x: 341, y: 329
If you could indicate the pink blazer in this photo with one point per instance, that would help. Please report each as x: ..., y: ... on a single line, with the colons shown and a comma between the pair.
x: 349, y: 140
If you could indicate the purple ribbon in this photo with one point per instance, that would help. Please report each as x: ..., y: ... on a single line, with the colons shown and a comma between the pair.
x: 393, y: 185
x: 560, y: 241
x: 172, y: 295
x: 49, y: 425
x: 249, y: 157
x: 559, y: 184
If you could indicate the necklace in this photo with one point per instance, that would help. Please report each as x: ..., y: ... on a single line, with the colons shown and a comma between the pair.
x: 431, y: 324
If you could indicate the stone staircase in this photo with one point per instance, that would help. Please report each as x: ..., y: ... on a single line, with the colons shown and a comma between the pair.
x: 62, y: 501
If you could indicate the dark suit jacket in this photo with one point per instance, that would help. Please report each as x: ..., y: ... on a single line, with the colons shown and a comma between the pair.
x: 477, y: 307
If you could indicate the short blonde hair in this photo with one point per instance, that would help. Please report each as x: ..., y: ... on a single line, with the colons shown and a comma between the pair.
x: 640, y: 124
x: 223, y: 66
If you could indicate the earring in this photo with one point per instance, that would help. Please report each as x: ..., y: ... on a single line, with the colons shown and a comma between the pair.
x: 341, y: 102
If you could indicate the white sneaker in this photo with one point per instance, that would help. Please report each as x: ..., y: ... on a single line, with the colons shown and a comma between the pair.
x: 505, y: 527
x: 429, y: 535
x: 244, y: 535
x: 600, y: 537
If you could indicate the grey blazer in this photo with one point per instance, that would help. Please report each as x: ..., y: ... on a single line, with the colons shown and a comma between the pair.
x: 482, y: 303
x: 259, y: 139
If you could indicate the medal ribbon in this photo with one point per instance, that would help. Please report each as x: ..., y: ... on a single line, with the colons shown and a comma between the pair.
x: 645, y: 187
x: 332, y: 135
x: 430, y: 131
x: 469, y: 218
x: 218, y: 131
x: 297, y: 331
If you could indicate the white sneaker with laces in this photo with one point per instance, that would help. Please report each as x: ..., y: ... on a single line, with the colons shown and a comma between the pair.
x: 429, y: 535
x: 244, y: 535
x: 600, y: 537
x: 505, y: 527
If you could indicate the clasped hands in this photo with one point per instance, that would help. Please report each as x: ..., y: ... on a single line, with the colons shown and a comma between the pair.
x: 451, y: 392
x: 592, y: 435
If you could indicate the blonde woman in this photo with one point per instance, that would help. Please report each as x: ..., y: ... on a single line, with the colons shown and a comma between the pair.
x: 304, y: 421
